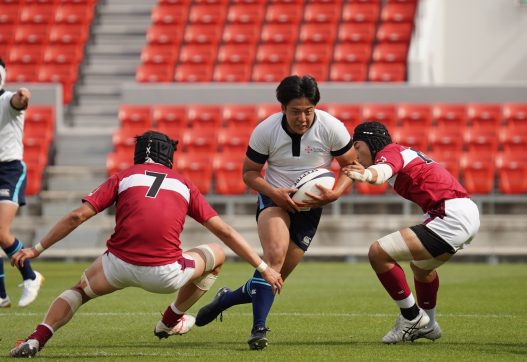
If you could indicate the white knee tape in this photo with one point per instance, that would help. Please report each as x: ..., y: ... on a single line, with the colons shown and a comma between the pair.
x: 206, y: 281
x: 73, y: 298
x: 87, y: 289
x: 428, y: 264
x: 210, y: 259
x: 395, y: 246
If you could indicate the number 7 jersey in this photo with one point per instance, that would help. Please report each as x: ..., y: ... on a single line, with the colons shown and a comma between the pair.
x: 152, y: 202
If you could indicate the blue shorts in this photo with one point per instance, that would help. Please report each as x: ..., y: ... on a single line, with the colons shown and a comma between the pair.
x: 13, y: 182
x: 303, y: 225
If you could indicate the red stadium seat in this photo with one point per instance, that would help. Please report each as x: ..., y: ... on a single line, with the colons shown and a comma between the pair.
x: 35, y: 151
x: 36, y: 14
x: 170, y: 119
x: 387, y: 72
x: 204, y: 117
x: 451, y: 163
x: 384, y: 113
x: 407, y: 138
x: 265, y: 110
x: 31, y: 34
x: 360, y: 13
x: 123, y: 140
x: 394, y: 33
x: 137, y: 118
x: 279, y: 33
x: 236, y: 54
x: 34, y: 179
x: 478, y: 176
x: 483, y: 119
x: 247, y: 34
x: 78, y: 14
x: 164, y: 35
x: 116, y: 162
x: 274, y: 53
x: 318, y: 33
x: 22, y: 74
x: 320, y: 71
x: 390, y: 53
x: 207, y: 14
x: 352, y: 53
x: 10, y: 14
x: 165, y: 14
x: 193, y: 73
x: 284, y: 13
x: 449, y: 117
x: 159, y: 54
x: 398, y: 13
x: 515, y: 116
x: 234, y: 73
x: 512, y: 177
x: 348, y: 72
x: 233, y: 140
x: 64, y: 74
x: 239, y: 116
x: 365, y: 188
x: 415, y: 117
x: 197, y: 168
x: 326, y: 13
x: 349, y: 114
x: 313, y: 53
x: 39, y: 121
x: 63, y: 54
x: 196, y: 141
x: 154, y: 73
x: 26, y: 54
x: 203, y: 54
x: 228, y: 174
x: 447, y: 146
x: 68, y: 34
x: 269, y: 72
x: 246, y: 13
x: 482, y: 147
x: 7, y: 34
x: 513, y: 144
x: 356, y: 33
x: 203, y: 34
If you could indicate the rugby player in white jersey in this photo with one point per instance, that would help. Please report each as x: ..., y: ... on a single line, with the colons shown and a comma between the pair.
x: 451, y: 221
x: 145, y: 251
x: 12, y: 187
x: 299, y: 138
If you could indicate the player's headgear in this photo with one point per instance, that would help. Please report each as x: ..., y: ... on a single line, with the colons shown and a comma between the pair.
x: 2, y: 74
x: 374, y: 134
x: 154, y: 146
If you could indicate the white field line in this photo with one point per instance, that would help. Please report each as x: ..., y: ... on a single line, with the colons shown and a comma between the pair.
x: 287, y: 314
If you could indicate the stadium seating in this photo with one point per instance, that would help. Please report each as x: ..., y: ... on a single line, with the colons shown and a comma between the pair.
x: 512, y: 177
x: 137, y: 118
x: 478, y: 176
x: 228, y: 174
x: 196, y: 167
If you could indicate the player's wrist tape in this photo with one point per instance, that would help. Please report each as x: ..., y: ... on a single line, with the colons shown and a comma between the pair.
x: 261, y: 267
x: 38, y: 247
x: 363, y: 177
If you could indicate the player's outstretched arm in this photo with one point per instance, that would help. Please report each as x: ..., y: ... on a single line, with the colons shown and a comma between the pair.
x: 60, y: 230
x: 236, y: 242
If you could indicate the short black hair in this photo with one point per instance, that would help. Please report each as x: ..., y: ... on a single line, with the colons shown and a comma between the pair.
x: 375, y: 134
x: 2, y: 63
x: 294, y: 86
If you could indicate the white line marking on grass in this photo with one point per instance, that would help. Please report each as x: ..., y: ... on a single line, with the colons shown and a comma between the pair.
x: 284, y: 314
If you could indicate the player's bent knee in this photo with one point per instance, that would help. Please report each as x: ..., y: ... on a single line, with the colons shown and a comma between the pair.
x: 87, y: 288
x: 206, y: 281
x: 213, y: 255
x: 73, y: 298
x: 394, y: 245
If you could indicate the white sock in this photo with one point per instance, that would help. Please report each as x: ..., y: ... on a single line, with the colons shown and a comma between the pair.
x: 174, y: 309
x: 432, y: 314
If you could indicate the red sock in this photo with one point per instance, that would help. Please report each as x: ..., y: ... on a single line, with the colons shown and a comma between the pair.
x: 170, y: 318
x: 394, y: 281
x: 42, y: 334
x: 426, y: 293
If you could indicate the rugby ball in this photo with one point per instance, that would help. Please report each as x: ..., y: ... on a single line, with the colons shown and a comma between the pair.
x: 307, y: 183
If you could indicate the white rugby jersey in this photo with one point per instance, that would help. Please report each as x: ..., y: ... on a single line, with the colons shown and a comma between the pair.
x: 289, y: 155
x: 11, y: 129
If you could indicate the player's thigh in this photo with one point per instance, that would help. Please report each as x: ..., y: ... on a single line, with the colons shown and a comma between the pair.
x: 207, y: 258
x: 94, y: 281
x: 273, y: 230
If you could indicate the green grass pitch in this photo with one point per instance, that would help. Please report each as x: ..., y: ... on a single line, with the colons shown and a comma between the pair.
x: 327, y: 311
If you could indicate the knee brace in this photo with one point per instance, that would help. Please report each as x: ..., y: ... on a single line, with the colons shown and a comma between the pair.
x: 73, y: 298
x: 428, y: 264
x: 395, y: 246
x: 206, y: 281
x: 210, y: 259
x: 87, y: 289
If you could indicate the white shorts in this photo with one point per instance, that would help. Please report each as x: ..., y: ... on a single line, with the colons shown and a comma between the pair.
x: 459, y: 225
x: 156, y: 279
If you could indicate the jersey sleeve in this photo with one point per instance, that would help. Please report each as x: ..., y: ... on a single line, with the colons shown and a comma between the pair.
x: 199, y: 208
x: 340, y: 139
x: 258, y: 149
x: 104, y: 195
x: 392, y: 157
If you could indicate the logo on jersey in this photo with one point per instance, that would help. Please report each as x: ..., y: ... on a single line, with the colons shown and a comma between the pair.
x: 381, y: 160
x: 309, y: 149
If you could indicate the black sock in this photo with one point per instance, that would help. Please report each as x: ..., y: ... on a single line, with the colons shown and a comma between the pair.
x: 410, y: 313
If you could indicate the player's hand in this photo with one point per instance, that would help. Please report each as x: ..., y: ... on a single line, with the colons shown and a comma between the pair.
x: 355, y: 171
x: 282, y: 198
x: 274, y: 278
x: 21, y: 256
x: 326, y: 196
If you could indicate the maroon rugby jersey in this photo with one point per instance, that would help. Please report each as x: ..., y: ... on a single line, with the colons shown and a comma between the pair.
x: 152, y: 202
x: 418, y: 178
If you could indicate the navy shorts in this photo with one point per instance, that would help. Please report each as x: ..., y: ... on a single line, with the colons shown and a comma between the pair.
x: 303, y: 225
x: 13, y: 182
